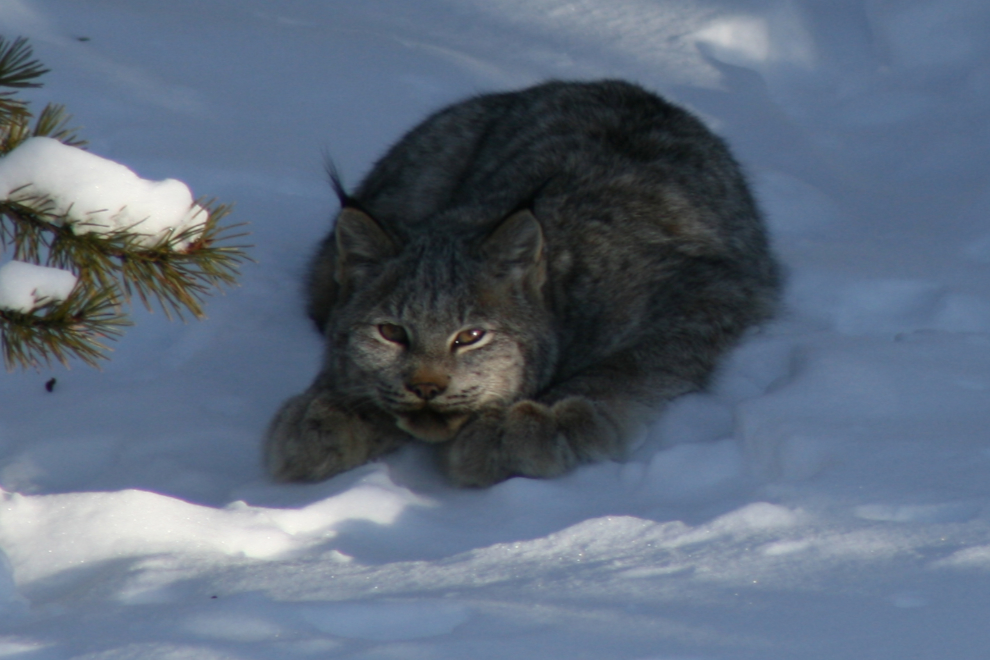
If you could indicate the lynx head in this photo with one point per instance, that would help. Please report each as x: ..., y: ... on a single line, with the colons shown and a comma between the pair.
x: 435, y: 328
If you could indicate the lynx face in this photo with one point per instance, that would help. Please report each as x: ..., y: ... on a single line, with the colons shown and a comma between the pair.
x: 432, y: 376
x: 436, y: 336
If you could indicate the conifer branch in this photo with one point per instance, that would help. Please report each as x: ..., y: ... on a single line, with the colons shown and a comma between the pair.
x: 53, y: 122
x: 26, y: 228
x: 17, y: 71
x: 176, y: 270
x: 60, y: 330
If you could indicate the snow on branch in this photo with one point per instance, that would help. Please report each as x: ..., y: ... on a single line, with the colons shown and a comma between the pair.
x: 86, y: 234
x: 25, y: 287
x: 94, y: 194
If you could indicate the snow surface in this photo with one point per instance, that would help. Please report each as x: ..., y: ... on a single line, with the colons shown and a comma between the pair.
x: 95, y: 194
x: 25, y: 286
x: 829, y: 498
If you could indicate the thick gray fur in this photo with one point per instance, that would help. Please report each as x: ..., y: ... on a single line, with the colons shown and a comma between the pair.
x: 603, y: 240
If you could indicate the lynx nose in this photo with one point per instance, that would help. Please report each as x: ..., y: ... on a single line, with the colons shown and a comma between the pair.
x: 427, y: 383
x: 426, y: 391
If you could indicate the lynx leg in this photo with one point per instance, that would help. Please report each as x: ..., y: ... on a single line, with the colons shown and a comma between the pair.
x: 530, y: 439
x: 544, y: 440
x: 587, y: 418
x: 312, y: 438
x: 474, y: 458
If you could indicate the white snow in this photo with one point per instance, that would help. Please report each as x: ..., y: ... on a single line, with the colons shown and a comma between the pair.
x: 829, y: 498
x: 11, y: 603
x: 387, y: 621
x: 25, y: 286
x: 94, y: 194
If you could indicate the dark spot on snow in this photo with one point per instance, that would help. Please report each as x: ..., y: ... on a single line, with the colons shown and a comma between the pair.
x: 50, y: 385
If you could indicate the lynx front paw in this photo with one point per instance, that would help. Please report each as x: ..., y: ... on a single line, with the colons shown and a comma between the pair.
x: 543, y: 440
x: 475, y: 458
x: 534, y: 443
x: 529, y: 439
x: 312, y: 439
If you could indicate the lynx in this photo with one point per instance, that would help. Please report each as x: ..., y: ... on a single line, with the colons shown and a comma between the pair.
x: 521, y: 281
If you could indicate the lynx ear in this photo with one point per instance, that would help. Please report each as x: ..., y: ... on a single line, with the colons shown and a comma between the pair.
x: 361, y: 242
x: 515, y: 249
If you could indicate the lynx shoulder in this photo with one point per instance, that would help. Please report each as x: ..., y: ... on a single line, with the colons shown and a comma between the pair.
x: 521, y: 280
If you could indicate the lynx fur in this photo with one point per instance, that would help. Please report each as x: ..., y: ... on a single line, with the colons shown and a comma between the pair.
x: 521, y: 281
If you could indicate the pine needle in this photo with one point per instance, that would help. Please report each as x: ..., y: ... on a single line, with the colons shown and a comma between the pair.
x: 176, y: 272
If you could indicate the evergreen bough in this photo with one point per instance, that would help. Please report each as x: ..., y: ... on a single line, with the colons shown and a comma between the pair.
x: 176, y: 270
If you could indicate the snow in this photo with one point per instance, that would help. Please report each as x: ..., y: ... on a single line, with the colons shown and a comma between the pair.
x: 828, y: 498
x: 25, y: 286
x: 94, y: 194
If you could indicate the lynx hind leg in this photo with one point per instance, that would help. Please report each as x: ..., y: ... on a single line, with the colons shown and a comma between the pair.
x: 311, y: 439
x: 533, y: 439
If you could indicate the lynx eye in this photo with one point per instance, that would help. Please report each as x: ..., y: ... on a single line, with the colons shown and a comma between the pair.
x: 394, y: 333
x: 468, y: 337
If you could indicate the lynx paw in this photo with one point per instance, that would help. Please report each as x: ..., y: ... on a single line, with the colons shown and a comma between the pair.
x: 591, y: 435
x: 474, y: 458
x: 529, y: 439
x: 312, y: 439
x: 534, y: 441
